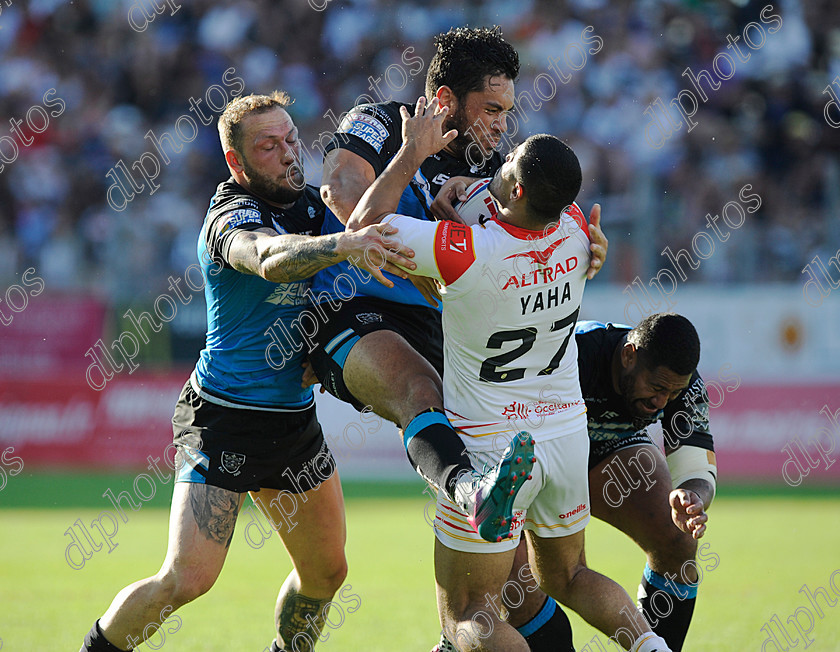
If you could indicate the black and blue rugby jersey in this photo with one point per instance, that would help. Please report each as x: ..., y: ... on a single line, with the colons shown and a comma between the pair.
x: 685, y: 420
x: 374, y: 132
x: 242, y: 308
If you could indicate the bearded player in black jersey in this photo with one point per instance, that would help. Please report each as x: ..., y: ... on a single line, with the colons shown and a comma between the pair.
x: 384, y: 349
x: 632, y: 378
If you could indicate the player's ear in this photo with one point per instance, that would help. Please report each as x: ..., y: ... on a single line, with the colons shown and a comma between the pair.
x: 234, y: 160
x: 517, y: 192
x: 447, y: 98
x: 629, y: 355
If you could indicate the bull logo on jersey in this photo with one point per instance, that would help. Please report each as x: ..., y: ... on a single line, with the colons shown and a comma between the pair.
x: 516, y: 409
x: 540, y: 257
x: 232, y: 462
x: 289, y: 294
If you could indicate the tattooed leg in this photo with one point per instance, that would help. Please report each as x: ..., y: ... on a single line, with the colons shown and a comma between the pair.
x: 215, y: 511
x: 191, y: 566
x: 299, y: 618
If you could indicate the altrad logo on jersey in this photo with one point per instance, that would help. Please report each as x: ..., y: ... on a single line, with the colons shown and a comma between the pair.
x: 541, y: 257
x: 542, y: 275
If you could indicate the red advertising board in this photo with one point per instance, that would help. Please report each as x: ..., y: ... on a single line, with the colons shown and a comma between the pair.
x: 54, y: 332
x: 772, y: 433
x: 60, y: 421
x: 787, y: 433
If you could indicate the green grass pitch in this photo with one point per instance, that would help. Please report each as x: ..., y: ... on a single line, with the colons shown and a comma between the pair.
x: 768, y: 546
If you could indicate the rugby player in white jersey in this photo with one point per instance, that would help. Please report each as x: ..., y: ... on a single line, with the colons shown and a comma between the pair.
x: 535, y: 255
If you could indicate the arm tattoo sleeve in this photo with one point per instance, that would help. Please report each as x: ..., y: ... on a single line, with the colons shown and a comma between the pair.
x: 215, y: 510
x: 308, y: 257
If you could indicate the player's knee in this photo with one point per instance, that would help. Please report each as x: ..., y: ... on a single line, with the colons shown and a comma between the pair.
x: 182, y: 586
x: 474, y: 622
x: 422, y: 392
x: 560, y: 581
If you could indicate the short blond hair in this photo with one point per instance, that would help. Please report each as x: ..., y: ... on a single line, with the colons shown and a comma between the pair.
x: 230, y: 122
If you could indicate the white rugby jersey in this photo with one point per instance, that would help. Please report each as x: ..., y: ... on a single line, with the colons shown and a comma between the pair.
x: 510, y: 301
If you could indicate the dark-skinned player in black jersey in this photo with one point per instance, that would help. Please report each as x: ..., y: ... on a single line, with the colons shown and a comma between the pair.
x: 632, y: 378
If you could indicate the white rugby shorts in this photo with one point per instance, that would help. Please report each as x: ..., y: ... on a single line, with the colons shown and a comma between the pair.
x: 553, y: 503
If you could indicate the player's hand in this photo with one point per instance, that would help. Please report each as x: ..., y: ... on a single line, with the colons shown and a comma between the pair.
x: 452, y: 191
x: 423, y: 132
x: 371, y: 249
x: 428, y: 287
x: 309, y: 377
x: 687, y: 512
x: 599, y: 243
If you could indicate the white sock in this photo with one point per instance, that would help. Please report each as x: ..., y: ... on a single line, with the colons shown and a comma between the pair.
x: 650, y: 642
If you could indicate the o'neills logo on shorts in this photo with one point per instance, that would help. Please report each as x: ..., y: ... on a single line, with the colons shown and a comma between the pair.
x: 576, y: 510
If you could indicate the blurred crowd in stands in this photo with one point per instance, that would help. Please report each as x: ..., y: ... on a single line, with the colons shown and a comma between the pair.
x: 764, y: 126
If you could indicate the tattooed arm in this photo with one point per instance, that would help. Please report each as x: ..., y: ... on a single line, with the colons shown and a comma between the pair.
x: 290, y: 257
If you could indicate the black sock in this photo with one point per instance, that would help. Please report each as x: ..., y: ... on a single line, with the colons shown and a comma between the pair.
x: 676, y: 600
x: 548, y: 631
x: 95, y: 641
x: 435, y: 450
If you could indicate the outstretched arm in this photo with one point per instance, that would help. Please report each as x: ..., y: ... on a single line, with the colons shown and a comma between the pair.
x: 283, y: 258
x: 422, y: 136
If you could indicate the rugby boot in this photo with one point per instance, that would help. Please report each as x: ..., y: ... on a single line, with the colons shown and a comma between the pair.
x: 489, y: 506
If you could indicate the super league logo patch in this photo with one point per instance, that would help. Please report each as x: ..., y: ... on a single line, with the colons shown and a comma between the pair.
x: 366, y: 127
x: 232, y: 462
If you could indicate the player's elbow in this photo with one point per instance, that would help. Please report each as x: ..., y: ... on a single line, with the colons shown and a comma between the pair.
x: 330, y: 194
x: 360, y: 219
x: 270, y: 266
x: 269, y: 271
x: 354, y: 221
x: 340, y: 194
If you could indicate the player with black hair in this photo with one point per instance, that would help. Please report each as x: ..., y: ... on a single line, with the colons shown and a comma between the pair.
x: 384, y: 348
x: 523, y: 252
x: 536, y: 168
x: 632, y: 378
x: 468, y: 62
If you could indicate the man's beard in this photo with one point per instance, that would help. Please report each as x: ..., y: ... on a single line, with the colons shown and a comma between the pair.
x: 458, y: 120
x: 269, y: 189
x: 626, y: 387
